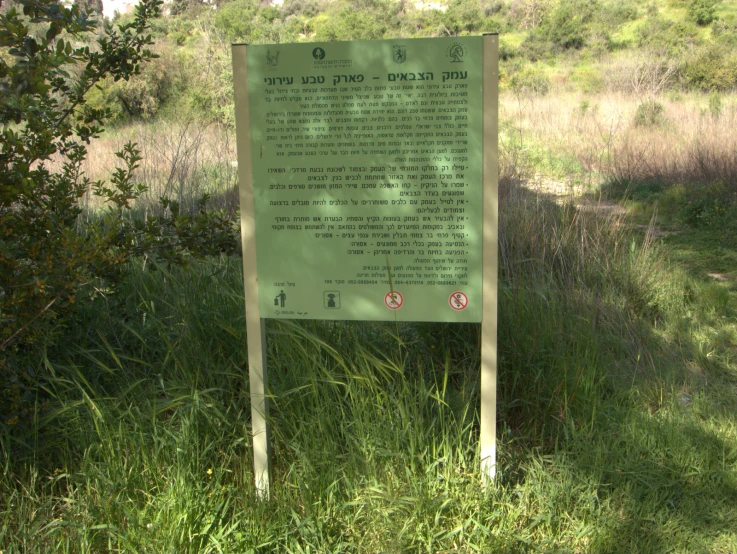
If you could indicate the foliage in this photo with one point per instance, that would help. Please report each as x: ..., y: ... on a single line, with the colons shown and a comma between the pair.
x: 172, y: 235
x: 709, y: 204
x: 44, y: 260
x: 49, y: 256
x: 724, y: 30
x: 672, y: 36
x: 608, y: 427
x: 712, y: 67
x: 144, y: 96
x: 703, y: 12
x: 650, y: 113
x: 235, y: 20
x: 568, y: 24
x: 527, y: 78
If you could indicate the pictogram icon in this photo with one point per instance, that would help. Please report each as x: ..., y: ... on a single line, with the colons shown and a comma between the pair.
x: 393, y: 300
x: 458, y: 301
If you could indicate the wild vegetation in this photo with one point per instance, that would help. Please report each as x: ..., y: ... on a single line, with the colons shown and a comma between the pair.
x: 125, y: 416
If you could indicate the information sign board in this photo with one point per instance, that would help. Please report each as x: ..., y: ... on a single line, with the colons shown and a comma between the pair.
x: 368, y: 190
x: 367, y: 179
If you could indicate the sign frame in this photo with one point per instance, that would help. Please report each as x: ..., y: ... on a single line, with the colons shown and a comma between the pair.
x: 255, y: 324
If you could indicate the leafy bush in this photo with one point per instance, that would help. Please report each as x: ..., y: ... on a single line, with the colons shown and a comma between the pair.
x: 567, y: 27
x: 143, y: 95
x: 528, y: 78
x: 709, y: 204
x: 724, y: 31
x: 49, y: 256
x: 711, y: 68
x: 353, y: 24
x: 703, y: 12
x: 568, y: 24
x: 309, y: 8
x: 44, y: 260
x: 666, y: 35
x: 235, y: 19
x: 462, y: 16
x: 650, y: 114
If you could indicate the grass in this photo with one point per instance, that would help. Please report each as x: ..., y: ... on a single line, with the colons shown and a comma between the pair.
x: 128, y: 431
x: 617, y: 390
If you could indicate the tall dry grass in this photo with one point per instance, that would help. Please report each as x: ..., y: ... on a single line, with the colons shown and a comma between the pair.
x: 694, y: 140
x: 182, y: 160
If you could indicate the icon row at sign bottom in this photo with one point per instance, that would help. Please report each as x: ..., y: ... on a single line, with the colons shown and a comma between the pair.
x: 394, y: 300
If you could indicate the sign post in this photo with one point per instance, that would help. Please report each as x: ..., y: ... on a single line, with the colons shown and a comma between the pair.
x: 368, y: 177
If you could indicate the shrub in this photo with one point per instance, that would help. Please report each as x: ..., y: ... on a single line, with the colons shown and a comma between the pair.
x: 703, y: 12
x: 44, y: 259
x: 143, y: 95
x: 49, y: 256
x: 528, y: 78
x: 711, y: 68
x: 709, y: 204
x: 235, y: 19
x: 724, y: 31
x: 462, y: 16
x: 650, y: 114
x: 309, y: 8
x: 715, y: 105
x: 665, y: 35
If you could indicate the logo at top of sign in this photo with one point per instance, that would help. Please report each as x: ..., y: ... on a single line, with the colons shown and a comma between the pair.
x: 456, y: 52
x: 393, y: 300
x: 458, y: 301
x: 318, y: 53
x: 399, y: 53
x: 272, y: 59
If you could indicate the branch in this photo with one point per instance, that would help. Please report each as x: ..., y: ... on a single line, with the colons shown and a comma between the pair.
x: 19, y: 331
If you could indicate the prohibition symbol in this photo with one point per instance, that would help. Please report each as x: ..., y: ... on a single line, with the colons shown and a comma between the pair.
x: 393, y: 300
x: 458, y: 301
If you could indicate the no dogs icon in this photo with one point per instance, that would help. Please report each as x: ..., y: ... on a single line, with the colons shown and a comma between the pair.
x: 458, y: 301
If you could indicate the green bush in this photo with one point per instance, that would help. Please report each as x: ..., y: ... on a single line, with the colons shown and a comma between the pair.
x: 711, y: 68
x: 143, y: 95
x: 528, y: 78
x: 353, y: 24
x: 650, y: 114
x: 50, y: 257
x: 47, y: 257
x: 566, y: 27
x: 235, y: 19
x: 671, y: 36
x: 710, y: 204
x: 724, y: 31
x: 309, y: 8
x: 462, y: 16
x: 715, y: 105
x: 703, y: 12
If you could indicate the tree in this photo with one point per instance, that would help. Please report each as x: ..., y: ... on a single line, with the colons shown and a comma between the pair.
x: 46, y: 69
x: 48, y: 255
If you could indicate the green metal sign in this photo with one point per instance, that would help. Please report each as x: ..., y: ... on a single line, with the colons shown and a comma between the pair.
x: 367, y: 179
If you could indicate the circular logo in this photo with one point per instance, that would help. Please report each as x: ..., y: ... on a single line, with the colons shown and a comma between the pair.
x: 318, y: 53
x: 393, y: 300
x: 458, y: 301
x: 456, y: 52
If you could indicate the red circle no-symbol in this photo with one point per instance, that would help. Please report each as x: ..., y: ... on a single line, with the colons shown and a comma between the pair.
x: 458, y: 301
x: 393, y: 300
